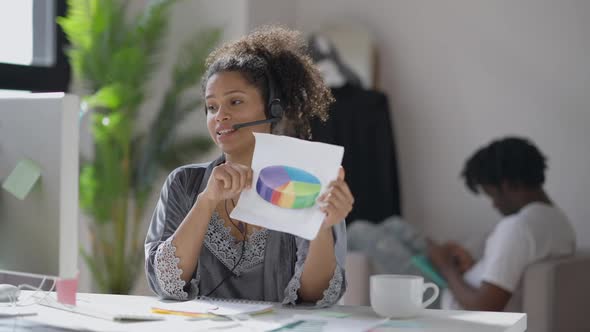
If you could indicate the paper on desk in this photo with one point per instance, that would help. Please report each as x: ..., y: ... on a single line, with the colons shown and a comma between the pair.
x: 320, y: 160
x: 394, y: 325
x: 328, y: 324
x: 75, y: 322
x: 224, y: 308
x: 332, y: 314
x: 22, y: 178
x: 189, y: 307
x: 6, y: 312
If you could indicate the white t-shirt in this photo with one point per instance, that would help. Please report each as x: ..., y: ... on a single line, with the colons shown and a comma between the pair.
x: 538, y: 231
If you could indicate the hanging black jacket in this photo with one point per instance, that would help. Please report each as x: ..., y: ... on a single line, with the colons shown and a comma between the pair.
x: 360, y: 122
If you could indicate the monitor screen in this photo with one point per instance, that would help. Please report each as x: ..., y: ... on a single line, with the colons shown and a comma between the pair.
x: 27, y: 32
x: 39, y: 231
x: 32, y: 46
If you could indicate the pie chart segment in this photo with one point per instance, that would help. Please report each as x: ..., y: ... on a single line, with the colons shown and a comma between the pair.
x: 288, y: 187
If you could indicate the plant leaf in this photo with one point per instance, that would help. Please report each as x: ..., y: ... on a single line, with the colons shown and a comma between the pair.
x: 97, y: 273
x: 109, y: 96
x: 185, y: 150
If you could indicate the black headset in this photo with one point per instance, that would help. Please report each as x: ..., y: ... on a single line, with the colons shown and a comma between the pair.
x: 274, y: 110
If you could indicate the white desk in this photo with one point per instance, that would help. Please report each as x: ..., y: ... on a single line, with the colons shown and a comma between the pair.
x: 431, y: 320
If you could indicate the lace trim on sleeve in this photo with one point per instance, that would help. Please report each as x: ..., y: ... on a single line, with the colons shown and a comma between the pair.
x: 169, y: 275
x: 331, y: 294
x: 334, y: 291
x: 293, y: 286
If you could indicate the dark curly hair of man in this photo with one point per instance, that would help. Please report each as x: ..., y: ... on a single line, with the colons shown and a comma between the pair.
x: 511, y: 159
x: 281, y: 53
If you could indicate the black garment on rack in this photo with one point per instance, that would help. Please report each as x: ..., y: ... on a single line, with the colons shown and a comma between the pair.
x: 360, y: 122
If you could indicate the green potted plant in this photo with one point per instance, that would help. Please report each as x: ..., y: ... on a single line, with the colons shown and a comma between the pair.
x: 114, y: 56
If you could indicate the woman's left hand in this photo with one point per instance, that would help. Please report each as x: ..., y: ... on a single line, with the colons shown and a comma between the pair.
x: 336, y: 202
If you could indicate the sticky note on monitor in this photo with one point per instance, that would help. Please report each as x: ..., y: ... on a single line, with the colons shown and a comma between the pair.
x: 22, y: 178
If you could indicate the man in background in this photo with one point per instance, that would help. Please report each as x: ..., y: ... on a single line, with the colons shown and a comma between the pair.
x: 511, y: 173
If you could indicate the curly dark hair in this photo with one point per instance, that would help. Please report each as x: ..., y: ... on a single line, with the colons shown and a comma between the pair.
x: 511, y: 159
x: 281, y: 53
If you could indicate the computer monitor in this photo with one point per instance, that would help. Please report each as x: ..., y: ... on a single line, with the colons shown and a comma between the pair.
x: 28, y: 32
x: 39, y: 234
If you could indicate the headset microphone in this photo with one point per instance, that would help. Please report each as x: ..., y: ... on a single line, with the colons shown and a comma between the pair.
x: 276, y: 113
x: 254, y: 123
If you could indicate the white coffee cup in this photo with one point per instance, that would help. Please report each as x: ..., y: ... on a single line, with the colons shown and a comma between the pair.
x: 400, y: 296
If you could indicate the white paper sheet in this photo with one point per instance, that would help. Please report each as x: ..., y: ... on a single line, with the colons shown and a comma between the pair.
x: 218, y: 307
x: 327, y: 324
x: 318, y: 159
x: 6, y: 311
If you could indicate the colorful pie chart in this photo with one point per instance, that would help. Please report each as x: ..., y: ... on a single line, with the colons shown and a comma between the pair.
x: 288, y: 187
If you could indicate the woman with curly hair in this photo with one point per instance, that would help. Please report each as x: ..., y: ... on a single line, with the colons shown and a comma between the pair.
x: 193, y: 247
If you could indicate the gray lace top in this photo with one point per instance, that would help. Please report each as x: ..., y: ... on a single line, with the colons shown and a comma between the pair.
x: 271, y: 266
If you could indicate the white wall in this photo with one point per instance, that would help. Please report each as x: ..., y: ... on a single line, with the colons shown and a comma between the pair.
x: 261, y: 12
x: 461, y: 72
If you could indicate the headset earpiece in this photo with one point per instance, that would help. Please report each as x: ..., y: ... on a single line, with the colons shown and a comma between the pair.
x: 276, y: 109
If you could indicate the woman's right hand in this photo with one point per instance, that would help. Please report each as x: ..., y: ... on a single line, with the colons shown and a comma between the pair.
x: 227, y: 180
